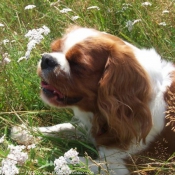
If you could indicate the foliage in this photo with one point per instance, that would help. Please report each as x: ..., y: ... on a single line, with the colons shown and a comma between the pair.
x: 19, y: 85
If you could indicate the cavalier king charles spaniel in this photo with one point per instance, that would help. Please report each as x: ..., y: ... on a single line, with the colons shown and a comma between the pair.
x: 124, y: 96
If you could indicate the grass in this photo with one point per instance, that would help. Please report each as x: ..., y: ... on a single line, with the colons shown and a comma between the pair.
x: 19, y: 84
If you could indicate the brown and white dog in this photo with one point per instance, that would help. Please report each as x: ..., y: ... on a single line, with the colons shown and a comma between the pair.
x: 119, y: 92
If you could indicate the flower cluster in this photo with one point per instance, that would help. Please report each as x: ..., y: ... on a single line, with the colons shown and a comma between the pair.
x: 15, y: 156
x: 35, y: 36
x: 1, y: 25
x: 5, y: 41
x: 125, y: 6
x: 165, y: 11
x: 22, y: 135
x: 6, y: 59
x: 130, y: 24
x: 65, y: 10
x: 61, y: 164
x: 28, y: 7
x: 93, y: 7
x: 162, y: 24
x: 71, y: 157
x: 146, y: 4
x: 75, y: 18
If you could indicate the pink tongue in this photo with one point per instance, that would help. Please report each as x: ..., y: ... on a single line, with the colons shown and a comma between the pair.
x: 47, y: 86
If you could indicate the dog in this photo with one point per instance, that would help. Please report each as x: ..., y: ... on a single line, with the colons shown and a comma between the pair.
x: 122, y: 95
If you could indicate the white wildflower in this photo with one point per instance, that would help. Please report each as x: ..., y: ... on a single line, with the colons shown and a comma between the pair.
x: 71, y: 157
x: 32, y: 45
x: 1, y: 25
x: 136, y: 21
x: 9, y: 167
x: 32, y: 146
x: 61, y: 166
x: 75, y: 18
x: 13, y: 41
x: 28, y: 7
x: 45, y: 30
x: 93, y: 7
x: 165, y: 11
x: 146, y: 4
x: 15, y: 156
x: 125, y: 6
x: 60, y: 162
x: 162, y: 23
x: 2, y: 139
x: 5, y: 41
x: 65, y: 10
x: 129, y: 25
x: 21, y: 134
x: 35, y: 36
x: 6, y: 59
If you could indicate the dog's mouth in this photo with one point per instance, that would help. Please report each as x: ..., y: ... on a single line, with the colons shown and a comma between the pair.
x: 54, y: 95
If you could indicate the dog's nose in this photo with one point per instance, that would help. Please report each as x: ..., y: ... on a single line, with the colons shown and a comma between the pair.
x: 47, y: 61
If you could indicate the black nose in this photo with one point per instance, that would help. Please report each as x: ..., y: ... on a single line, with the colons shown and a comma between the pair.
x: 48, y: 61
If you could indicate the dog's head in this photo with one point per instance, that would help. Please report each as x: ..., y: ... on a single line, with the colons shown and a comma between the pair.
x: 98, y: 73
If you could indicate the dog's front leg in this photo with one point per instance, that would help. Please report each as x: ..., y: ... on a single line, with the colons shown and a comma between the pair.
x: 23, y: 135
x: 68, y: 127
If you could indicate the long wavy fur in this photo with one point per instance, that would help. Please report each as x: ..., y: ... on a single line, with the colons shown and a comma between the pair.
x: 123, y: 96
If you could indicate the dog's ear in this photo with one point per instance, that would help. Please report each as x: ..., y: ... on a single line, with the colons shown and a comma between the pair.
x: 123, y: 96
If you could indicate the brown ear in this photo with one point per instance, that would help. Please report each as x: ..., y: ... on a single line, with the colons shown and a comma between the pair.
x: 123, y: 96
x: 56, y: 45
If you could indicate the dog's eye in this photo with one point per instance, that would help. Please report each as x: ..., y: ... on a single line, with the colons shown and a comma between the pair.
x: 77, y: 67
x: 72, y: 63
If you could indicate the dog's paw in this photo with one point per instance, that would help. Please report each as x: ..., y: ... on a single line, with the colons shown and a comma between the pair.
x: 22, y: 135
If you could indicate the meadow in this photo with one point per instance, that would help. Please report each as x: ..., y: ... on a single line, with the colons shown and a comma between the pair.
x: 145, y: 24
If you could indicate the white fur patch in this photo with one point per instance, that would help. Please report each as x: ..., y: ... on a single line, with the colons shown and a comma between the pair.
x: 158, y: 71
x: 77, y: 36
x: 84, y: 117
x: 62, y: 61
